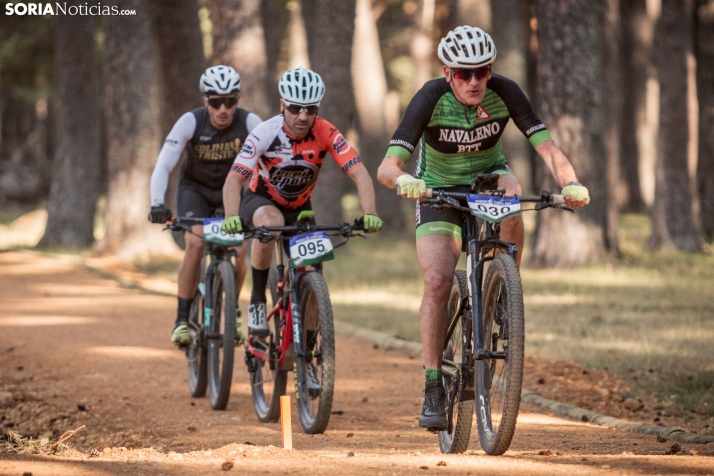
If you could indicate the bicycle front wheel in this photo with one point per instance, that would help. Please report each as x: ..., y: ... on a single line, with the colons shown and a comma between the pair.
x: 221, y: 345
x: 498, y: 380
x: 458, y: 377
x: 266, y: 384
x: 196, y: 354
x: 316, y: 367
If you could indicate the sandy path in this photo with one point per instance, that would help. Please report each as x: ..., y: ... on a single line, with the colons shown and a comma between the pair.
x: 71, y: 340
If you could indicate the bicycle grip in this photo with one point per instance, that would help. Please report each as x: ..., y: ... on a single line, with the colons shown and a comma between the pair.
x: 559, y: 199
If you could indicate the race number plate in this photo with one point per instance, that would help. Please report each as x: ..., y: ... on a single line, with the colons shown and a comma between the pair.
x: 311, y: 248
x: 212, y: 233
x: 493, y: 209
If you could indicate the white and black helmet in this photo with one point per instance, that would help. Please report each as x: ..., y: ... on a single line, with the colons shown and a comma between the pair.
x: 467, y: 47
x: 220, y: 80
x: 301, y: 86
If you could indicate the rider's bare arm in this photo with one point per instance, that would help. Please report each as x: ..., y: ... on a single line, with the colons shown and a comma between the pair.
x: 560, y: 167
x: 231, y: 194
x: 557, y: 163
x: 365, y: 189
x: 390, y: 170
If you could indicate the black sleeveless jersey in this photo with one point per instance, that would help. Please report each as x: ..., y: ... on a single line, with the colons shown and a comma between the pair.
x: 211, y: 151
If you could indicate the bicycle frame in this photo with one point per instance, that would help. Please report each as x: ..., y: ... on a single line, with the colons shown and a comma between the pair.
x: 478, y: 254
x: 286, y: 309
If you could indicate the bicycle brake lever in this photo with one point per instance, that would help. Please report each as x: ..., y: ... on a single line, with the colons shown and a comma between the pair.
x: 565, y: 207
x: 452, y: 201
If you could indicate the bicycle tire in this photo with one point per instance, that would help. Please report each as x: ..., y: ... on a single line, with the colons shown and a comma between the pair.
x: 460, y: 403
x: 314, y: 405
x: 221, y: 346
x: 196, y: 354
x: 498, y: 381
x: 266, y: 393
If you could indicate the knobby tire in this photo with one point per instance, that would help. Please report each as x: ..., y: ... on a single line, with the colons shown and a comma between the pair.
x: 314, y: 406
x: 267, y: 386
x: 221, y: 346
x: 196, y: 354
x: 498, y: 381
x: 460, y: 404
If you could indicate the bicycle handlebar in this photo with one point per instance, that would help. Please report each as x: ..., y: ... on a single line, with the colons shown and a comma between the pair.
x: 555, y: 198
x: 264, y: 233
x: 547, y: 199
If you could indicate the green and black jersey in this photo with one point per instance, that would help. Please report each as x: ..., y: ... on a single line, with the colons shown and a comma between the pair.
x: 457, y: 142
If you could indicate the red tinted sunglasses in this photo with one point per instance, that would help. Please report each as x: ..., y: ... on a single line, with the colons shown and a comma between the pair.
x: 465, y: 74
x: 228, y: 101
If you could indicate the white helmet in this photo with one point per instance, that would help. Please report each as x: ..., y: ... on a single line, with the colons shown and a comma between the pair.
x: 467, y: 47
x: 301, y: 86
x: 220, y: 80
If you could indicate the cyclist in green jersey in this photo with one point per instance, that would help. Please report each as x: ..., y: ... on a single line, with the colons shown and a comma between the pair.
x: 458, y: 122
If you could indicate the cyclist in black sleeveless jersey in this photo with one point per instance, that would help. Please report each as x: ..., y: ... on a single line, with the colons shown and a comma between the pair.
x: 212, y: 136
x: 458, y: 122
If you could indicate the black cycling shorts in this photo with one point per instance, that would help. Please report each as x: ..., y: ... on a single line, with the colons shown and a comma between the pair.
x: 251, y: 202
x: 197, y: 201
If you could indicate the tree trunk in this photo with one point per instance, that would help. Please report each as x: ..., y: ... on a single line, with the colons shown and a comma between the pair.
x: 177, y: 33
x: 76, y: 164
x: 422, y: 47
x: 276, y: 23
x: 239, y: 41
x: 476, y: 13
x: 133, y: 130
x: 508, y: 36
x: 613, y: 105
x: 672, y: 217
x: 371, y: 94
x: 705, y: 91
x: 529, y: 24
x: 571, y: 102
x: 330, y: 31
x: 636, y: 51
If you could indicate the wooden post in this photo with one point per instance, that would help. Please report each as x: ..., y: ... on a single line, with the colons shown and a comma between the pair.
x: 286, y: 422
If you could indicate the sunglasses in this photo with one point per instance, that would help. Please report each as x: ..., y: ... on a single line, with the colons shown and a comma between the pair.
x: 465, y: 74
x: 296, y: 109
x: 228, y: 101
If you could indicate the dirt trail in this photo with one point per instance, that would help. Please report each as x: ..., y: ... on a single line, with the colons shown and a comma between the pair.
x: 76, y: 349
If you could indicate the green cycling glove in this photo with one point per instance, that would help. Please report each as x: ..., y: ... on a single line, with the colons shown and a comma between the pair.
x: 232, y: 225
x: 372, y: 223
x: 577, y: 193
x: 411, y: 187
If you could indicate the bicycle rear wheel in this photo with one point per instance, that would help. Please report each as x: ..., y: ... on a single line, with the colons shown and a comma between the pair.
x: 498, y: 381
x: 221, y: 346
x: 196, y: 354
x: 266, y: 385
x: 458, y: 377
x: 315, y: 381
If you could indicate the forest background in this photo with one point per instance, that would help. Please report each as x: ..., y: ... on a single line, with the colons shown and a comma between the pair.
x: 626, y: 88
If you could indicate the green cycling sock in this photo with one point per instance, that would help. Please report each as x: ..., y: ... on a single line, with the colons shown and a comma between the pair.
x: 433, y: 378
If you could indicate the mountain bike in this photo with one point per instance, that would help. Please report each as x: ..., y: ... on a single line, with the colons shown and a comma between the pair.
x: 482, y: 361
x: 302, y: 336
x: 214, y: 310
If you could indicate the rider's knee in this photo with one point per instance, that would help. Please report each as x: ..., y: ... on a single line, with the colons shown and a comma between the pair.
x: 268, y: 216
x: 194, y: 244
x: 437, y: 284
x: 511, y: 184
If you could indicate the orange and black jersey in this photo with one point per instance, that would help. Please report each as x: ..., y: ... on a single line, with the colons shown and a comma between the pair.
x: 285, y: 169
